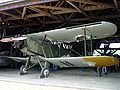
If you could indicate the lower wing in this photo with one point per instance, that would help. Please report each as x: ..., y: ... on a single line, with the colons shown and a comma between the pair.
x: 70, y: 62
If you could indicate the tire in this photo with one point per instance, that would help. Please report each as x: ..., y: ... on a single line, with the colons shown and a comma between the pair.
x: 104, y: 70
x: 44, y: 73
x: 22, y: 70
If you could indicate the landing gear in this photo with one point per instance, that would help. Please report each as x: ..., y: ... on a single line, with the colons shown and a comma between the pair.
x: 23, y: 70
x: 101, y: 71
x: 44, y: 66
x: 44, y: 73
x: 104, y: 70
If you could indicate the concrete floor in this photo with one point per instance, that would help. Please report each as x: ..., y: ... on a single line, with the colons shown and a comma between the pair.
x: 64, y: 79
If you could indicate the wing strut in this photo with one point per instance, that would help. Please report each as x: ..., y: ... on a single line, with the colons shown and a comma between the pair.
x: 43, y: 65
x: 85, y: 42
x: 91, y: 45
x: 85, y: 48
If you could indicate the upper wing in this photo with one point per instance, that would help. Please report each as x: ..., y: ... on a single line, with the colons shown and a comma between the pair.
x: 97, y: 30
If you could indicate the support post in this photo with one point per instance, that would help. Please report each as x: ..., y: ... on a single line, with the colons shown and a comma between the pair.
x: 99, y: 71
x: 85, y: 48
x: 91, y: 47
x: 28, y: 62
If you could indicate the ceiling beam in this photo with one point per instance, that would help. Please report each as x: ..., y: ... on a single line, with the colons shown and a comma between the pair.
x: 58, y: 5
x: 43, y: 13
x: 37, y: 10
x: 18, y: 11
x: 116, y: 3
x: 71, y: 10
x: 23, y: 13
x: 80, y: 10
x: 91, y: 2
x: 53, y: 8
x: 117, y: 6
x: 59, y: 10
x: 73, y: 20
x: 11, y: 15
x: 23, y: 4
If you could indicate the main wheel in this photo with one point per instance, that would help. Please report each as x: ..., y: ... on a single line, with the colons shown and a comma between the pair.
x: 23, y: 70
x: 44, y: 73
x: 104, y: 70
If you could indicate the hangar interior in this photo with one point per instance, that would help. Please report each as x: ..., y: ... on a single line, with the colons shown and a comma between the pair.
x: 28, y: 16
x: 22, y: 17
x: 18, y: 17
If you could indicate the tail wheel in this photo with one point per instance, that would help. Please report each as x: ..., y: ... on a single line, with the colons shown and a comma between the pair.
x: 44, y: 73
x: 23, y: 70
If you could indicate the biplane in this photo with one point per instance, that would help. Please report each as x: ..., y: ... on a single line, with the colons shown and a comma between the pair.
x: 45, y: 47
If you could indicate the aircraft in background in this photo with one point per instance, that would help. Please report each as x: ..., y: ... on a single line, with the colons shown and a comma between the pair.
x: 50, y: 47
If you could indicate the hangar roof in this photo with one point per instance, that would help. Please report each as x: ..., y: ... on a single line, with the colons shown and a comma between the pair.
x: 27, y: 16
x: 4, y: 2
